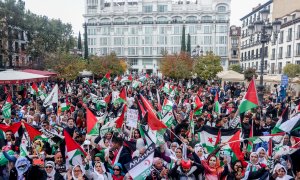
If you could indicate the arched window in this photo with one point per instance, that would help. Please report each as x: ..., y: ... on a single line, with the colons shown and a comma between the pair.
x: 191, y: 19
x: 92, y: 20
x: 206, y: 18
x: 162, y: 19
x: 176, y: 19
x: 148, y: 20
x: 119, y: 20
x: 221, y: 9
x: 105, y: 21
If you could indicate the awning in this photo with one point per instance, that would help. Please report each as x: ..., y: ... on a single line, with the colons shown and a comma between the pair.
x: 19, y: 77
x: 231, y: 76
x: 43, y: 73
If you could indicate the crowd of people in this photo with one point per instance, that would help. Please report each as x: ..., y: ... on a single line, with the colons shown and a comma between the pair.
x: 180, y: 152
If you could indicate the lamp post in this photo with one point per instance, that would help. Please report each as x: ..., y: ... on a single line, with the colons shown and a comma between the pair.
x: 264, y: 29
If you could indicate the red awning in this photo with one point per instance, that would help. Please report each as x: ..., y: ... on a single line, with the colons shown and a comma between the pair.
x: 44, y: 73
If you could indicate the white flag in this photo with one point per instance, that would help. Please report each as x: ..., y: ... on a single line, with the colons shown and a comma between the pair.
x: 52, y: 97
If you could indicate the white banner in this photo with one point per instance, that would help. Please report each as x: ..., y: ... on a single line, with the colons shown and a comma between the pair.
x: 132, y: 118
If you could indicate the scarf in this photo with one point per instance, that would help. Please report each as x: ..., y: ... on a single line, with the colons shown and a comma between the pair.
x: 50, y: 176
x: 82, y: 169
x: 22, y: 165
x: 100, y: 176
x: 285, y: 177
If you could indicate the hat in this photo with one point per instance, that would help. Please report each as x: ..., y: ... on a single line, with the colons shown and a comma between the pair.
x: 186, y: 164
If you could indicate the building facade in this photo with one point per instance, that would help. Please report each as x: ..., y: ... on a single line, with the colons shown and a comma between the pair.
x: 13, y: 44
x: 251, y: 47
x: 141, y: 31
x: 234, y: 45
x: 287, y: 47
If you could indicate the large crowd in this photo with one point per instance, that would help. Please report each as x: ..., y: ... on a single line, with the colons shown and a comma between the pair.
x: 201, y: 133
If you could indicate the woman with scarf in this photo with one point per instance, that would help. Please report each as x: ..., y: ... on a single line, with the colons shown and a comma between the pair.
x: 280, y: 173
x: 99, y: 173
x: 24, y: 171
x: 262, y: 155
x: 237, y: 171
x: 77, y: 173
x: 255, y: 170
x: 117, y: 172
x: 52, y: 174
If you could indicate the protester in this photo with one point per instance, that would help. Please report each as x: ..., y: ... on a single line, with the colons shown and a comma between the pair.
x: 142, y: 127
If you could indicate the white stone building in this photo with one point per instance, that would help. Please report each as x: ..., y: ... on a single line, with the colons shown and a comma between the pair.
x: 287, y: 48
x: 250, y: 45
x: 141, y: 30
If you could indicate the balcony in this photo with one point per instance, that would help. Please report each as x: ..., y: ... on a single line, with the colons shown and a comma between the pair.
x: 207, y: 21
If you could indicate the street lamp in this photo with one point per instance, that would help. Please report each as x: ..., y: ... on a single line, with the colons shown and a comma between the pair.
x: 265, y: 29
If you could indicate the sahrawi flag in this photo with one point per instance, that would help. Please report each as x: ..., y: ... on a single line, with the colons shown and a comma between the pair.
x: 209, y: 137
x: 167, y: 106
x: 24, y: 145
x: 52, y: 97
x: 74, y: 151
x: 168, y: 119
x: 140, y: 167
x: 6, y: 109
x: 105, y: 79
x: 250, y: 99
x: 92, y: 123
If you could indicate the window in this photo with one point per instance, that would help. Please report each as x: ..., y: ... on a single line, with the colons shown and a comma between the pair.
x: 273, y: 54
x: 119, y: 31
x: 148, y: 40
x: 132, y: 51
x: 176, y: 40
x: 162, y: 19
x: 280, y: 67
x: 298, y: 32
x: 177, y: 29
x: 191, y: 19
x: 147, y: 62
x: 162, y: 30
x: 133, y: 20
x: 148, y: 30
x: 207, y: 30
x: 118, y: 41
x: 162, y: 8
x: 288, y: 52
x: 192, y: 29
x: 221, y: 29
x: 133, y: 40
x: 207, y: 40
x: 290, y: 36
x: 280, y: 53
x: 221, y: 9
x: 133, y: 62
x: 132, y: 31
x: 222, y: 51
x: 281, y: 37
x: 265, y: 65
x: 176, y: 19
x: 206, y: 18
x: 148, y: 20
x: 147, y: 8
x: 103, y: 41
x: 222, y: 40
x: 298, y: 49
x: 162, y: 40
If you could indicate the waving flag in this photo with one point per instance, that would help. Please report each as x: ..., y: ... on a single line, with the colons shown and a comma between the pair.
x: 6, y: 109
x: 250, y: 99
x: 92, y: 125
x: 74, y: 151
x: 52, y: 97
x: 105, y: 79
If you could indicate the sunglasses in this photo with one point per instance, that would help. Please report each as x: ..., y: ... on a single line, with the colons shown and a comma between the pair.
x: 48, y: 167
x: 116, y: 169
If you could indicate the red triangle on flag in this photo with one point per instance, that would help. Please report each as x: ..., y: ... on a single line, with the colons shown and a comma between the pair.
x: 130, y: 77
x: 153, y: 122
x: 234, y: 144
x: 107, y: 98
x: 119, y: 122
x: 14, y: 127
x: 91, y: 120
x: 32, y: 132
x: 71, y: 144
x: 107, y: 75
x: 142, y: 109
x: 35, y: 87
x: 122, y: 94
x: 251, y: 94
x: 198, y: 103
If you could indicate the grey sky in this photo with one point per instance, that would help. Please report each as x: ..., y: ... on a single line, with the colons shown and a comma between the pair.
x: 70, y: 11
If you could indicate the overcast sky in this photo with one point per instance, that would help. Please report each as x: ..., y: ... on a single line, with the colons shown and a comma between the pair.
x: 70, y: 11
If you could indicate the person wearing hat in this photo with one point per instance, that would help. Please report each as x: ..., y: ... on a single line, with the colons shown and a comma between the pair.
x: 52, y: 174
